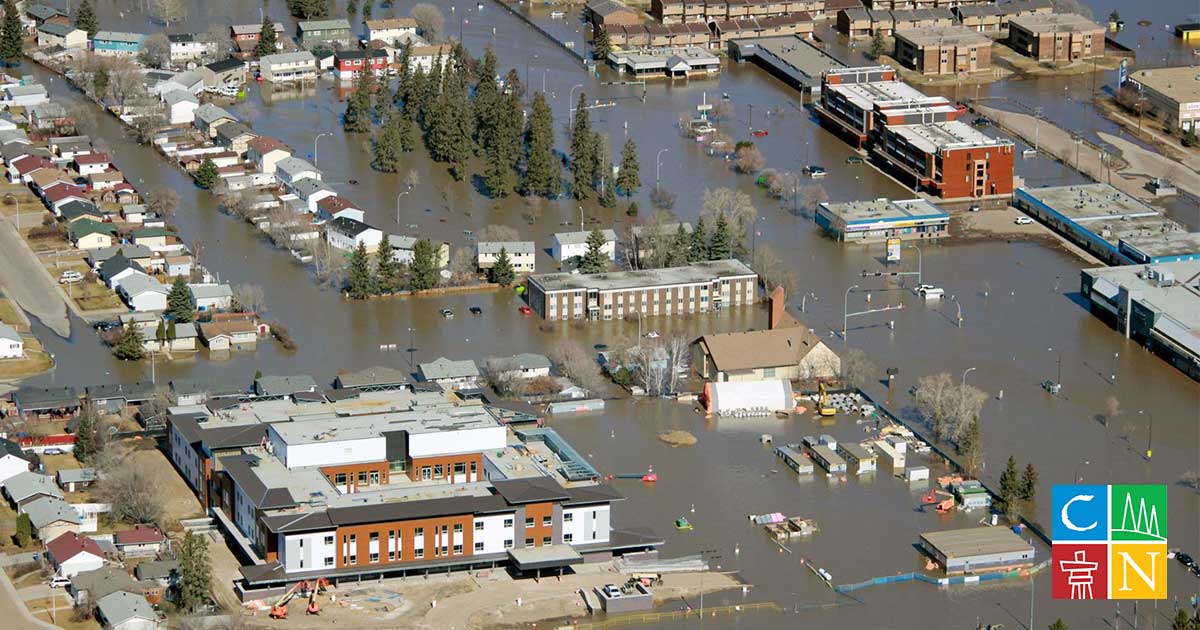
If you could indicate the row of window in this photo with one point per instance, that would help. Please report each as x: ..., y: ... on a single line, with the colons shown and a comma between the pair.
x: 365, y: 478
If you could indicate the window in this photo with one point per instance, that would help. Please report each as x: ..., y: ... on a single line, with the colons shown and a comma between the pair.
x: 460, y: 468
x: 301, y: 543
x: 418, y: 553
x: 391, y: 555
x: 419, y: 532
x: 529, y: 521
x: 478, y: 547
x: 328, y: 561
x: 457, y: 550
x: 362, y: 477
x: 425, y: 472
x: 568, y: 537
x: 568, y: 517
x: 438, y: 471
x: 339, y: 479
x: 374, y: 477
x: 508, y: 543
x: 474, y: 468
x: 353, y: 559
x: 478, y: 526
x: 528, y: 542
x: 547, y: 521
x: 374, y: 537
x: 458, y: 528
x: 508, y: 522
x: 374, y: 557
x: 329, y: 540
x: 769, y: 372
x: 546, y: 540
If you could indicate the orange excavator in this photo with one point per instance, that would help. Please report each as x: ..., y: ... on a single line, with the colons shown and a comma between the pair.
x: 942, y: 501
x: 314, y: 607
x: 280, y: 611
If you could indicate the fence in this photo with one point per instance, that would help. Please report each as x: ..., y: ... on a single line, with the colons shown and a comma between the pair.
x: 655, y: 617
x: 946, y: 581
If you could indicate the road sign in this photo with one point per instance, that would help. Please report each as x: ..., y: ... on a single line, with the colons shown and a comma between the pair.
x: 893, y: 250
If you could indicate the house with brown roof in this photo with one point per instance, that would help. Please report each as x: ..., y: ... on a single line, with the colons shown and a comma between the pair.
x: 143, y: 541
x: 792, y: 352
x: 237, y: 334
x: 71, y: 554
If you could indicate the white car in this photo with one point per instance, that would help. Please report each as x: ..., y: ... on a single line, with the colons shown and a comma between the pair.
x: 653, y: 335
x: 1023, y: 220
x: 930, y: 292
x: 59, y: 581
x: 70, y: 276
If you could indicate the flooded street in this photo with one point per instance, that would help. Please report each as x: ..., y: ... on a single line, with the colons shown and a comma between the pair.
x: 1020, y: 305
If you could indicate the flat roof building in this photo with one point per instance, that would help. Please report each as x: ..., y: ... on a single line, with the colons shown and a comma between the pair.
x: 1111, y: 225
x: 993, y: 18
x: 943, y: 50
x: 696, y: 288
x: 1172, y: 94
x: 1156, y: 305
x: 878, y: 220
x: 792, y: 59
x: 977, y: 549
x: 1056, y: 37
x: 665, y: 62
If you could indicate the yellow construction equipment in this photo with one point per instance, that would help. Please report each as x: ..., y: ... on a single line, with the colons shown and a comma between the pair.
x: 823, y: 406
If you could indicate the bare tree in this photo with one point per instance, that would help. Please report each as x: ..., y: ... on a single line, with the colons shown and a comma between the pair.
x: 1071, y: 6
x: 576, y: 363
x: 662, y: 198
x: 498, y: 233
x: 934, y: 397
x: 155, y: 51
x: 1112, y: 409
x: 462, y: 266
x: 737, y: 207
x: 970, y: 400
x: 163, y: 201
x: 125, y: 83
x: 749, y: 160
x: 532, y: 209
x: 857, y: 368
x: 281, y: 226
x: 812, y: 196
x: 329, y: 266
x: 412, y: 178
x: 430, y: 21
x: 132, y: 491
x: 218, y: 40
x: 250, y: 298
x: 774, y: 271
x: 169, y: 10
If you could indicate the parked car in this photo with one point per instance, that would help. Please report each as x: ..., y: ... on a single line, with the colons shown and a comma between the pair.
x: 653, y: 334
x: 814, y: 171
x: 1185, y: 560
x: 854, y: 159
x: 106, y: 326
x: 59, y: 581
x: 1023, y: 220
x: 981, y: 121
x: 526, y: 311
x: 447, y: 313
x: 476, y: 311
x: 611, y: 591
x: 70, y: 276
x: 54, y: 451
x: 930, y: 292
x: 974, y: 208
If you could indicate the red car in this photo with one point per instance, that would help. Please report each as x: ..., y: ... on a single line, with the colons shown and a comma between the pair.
x: 526, y: 311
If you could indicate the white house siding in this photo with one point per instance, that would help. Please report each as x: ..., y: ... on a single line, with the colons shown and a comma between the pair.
x: 447, y: 442
x: 586, y: 524
x: 308, y: 551
x: 11, y: 349
x: 494, y: 533
x: 79, y: 563
x: 148, y: 301
x: 10, y: 466
x: 244, y: 514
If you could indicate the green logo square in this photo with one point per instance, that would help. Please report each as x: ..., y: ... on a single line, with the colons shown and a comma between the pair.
x: 1138, y: 513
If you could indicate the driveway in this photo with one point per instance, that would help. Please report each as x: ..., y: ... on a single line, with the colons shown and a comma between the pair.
x: 29, y: 284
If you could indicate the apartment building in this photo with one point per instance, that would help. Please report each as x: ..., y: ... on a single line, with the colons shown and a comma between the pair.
x: 1056, y: 37
x: 286, y: 67
x: 522, y: 255
x: 695, y: 288
x: 941, y: 50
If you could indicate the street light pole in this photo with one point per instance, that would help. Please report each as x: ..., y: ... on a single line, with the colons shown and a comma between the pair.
x: 1149, y: 433
x: 398, y: 206
x: 1116, y: 355
x: 411, y: 348
x: 804, y: 300
x: 964, y: 376
x: 959, y: 307
x: 326, y: 133
x: 846, y: 311
x: 1078, y: 477
x: 570, y: 99
x: 920, y: 261
x: 658, y: 166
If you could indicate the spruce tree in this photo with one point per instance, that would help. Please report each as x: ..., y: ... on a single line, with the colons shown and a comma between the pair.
x: 12, y: 35
x: 594, y: 259
x: 406, y: 129
x: 180, y: 300
x: 462, y: 132
x: 195, y: 573
x: 486, y: 103
x: 1059, y: 625
x: 414, y: 100
x: 266, y: 39
x: 383, y: 100
x: 423, y: 272
x: 129, y: 347
x: 85, y: 18
x: 607, y: 198
x: 601, y: 45
x: 359, y: 283
x: 160, y: 333
x: 502, y: 272
x: 543, y: 170
x: 206, y: 176
x: 387, y: 270
x: 367, y: 10
x: 629, y: 179
x: 678, y: 252
x: 583, y: 151
x: 698, y: 251
x: 100, y: 81
x: 405, y: 82
x: 351, y: 7
x: 1010, y: 488
x: 389, y: 144
x: 357, y: 118
x: 24, y: 530
x: 85, y: 435
x: 878, y: 49
x: 721, y: 245
x: 1029, y: 481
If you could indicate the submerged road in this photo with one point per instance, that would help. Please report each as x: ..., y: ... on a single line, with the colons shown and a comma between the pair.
x: 27, y: 282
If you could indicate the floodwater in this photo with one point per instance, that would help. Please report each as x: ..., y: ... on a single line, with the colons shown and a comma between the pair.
x: 1019, y: 301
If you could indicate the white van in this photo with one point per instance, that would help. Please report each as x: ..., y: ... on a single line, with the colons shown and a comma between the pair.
x: 930, y: 292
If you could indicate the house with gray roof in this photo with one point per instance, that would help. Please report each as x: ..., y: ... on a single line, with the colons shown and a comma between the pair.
x: 272, y: 385
x: 291, y: 170
x: 375, y: 378
x: 52, y: 517
x: 94, y: 585
x: 194, y: 391
x: 126, y: 611
x: 143, y: 293
x: 450, y: 374
x: 568, y: 245
x: 112, y: 397
x: 524, y: 365
x: 209, y: 118
x: 521, y: 254
x: 73, y: 479
x: 24, y: 488
x: 56, y: 401
x: 312, y: 33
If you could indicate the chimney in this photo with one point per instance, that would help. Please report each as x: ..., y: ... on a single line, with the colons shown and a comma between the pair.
x: 778, y: 300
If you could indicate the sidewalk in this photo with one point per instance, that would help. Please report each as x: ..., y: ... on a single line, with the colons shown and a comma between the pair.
x: 12, y: 608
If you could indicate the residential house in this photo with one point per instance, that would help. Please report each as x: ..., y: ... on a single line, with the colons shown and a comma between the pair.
x: 209, y: 118
x: 116, y: 397
x: 164, y: 573
x: 568, y: 245
x: 116, y: 268
x: 75, y: 479
x: 348, y: 64
x: 235, y: 136
x: 65, y: 36
x: 345, y: 233
x: 793, y: 352
x: 189, y: 81
x: 208, y: 297
x: 266, y: 152
x: 225, y: 72
x: 374, y: 378
x: 52, y: 517
x: 71, y: 554
x: 181, y: 107
x: 20, y: 169
x: 390, y: 31
x: 74, y: 210
x: 245, y: 36
x: 65, y: 148
x: 450, y: 374
x: 423, y: 56
x: 36, y: 403
x: 27, y: 487
x: 275, y: 386
x: 186, y: 47
x: 16, y: 95
x: 143, y: 293
x: 182, y: 336
x: 88, y: 234
x: 291, y: 170
x: 311, y: 192
x: 115, y: 44
x: 107, y: 180
x: 334, y: 206
x: 238, y: 334
x: 39, y: 14
x: 12, y: 346
x: 143, y: 541
x: 288, y: 67
x: 87, y: 587
x: 519, y: 366
x: 139, y: 254
x: 312, y: 33
x: 48, y: 116
x: 11, y: 136
x: 135, y: 213
x: 521, y: 254
x: 89, y: 163
x: 195, y: 391
x: 157, y: 239
x: 60, y: 193
x: 180, y: 265
x: 126, y: 611
x: 13, y: 460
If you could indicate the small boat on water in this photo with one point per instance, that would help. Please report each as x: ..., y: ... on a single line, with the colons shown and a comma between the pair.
x: 683, y: 525
x: 759, y: 133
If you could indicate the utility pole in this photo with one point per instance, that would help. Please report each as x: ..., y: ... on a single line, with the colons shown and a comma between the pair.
x: 1037, y: 127
x: 846, y: 311
x: 411, y: 348
x: 750, y: 125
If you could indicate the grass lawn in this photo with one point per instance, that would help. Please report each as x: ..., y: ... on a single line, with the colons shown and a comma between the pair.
x: 40, y: 609
x: 94, y: 296
x: 9, y: 314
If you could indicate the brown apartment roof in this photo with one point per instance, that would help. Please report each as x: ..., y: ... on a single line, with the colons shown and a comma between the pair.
x: 837, y: 5
x: 760, y: 348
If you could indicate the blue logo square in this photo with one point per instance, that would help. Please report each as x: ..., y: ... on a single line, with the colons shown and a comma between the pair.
x: 1080, y: 513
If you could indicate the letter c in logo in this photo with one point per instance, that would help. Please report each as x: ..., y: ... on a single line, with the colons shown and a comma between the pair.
x: 1066, y: 520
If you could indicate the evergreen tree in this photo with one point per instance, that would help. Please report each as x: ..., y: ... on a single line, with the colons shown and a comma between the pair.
x: 206, y: 176
x: 160, y: 333
x: 629, y: 179
x: 971, y: 447
x: 359, y: 282
x: 405, y: 129
x: 601, y: 45
x: 502, y: 272
x: 357, y: 118
x: 877, y: 47
x: 698, y: 250
x: 24, y: 530
x: 1182, y: 621
x: 405, y: 82
x: 100, y: 82
x: 594, y: 259
x: 195, y: 573
x: 1010, y: 488
x: 632, y: 210
x: 85, y: 434
x: 423, y: 272
x: 1057, y: 625
x: 12, y: 35
x: 487, y: 98
x: 85, y: 18
x: 429, y: 96
x: 390, y: 144
x: 266, y: 39
x: 607, y: 198
x: 367, y: 10
x: 351, y: 7
x: 171, y: 334
x: 449, y: 124
x: 583, y: 151
x: 129, y: 347
x: 383, y: 100
x: 180, y: 300
x: 543, y: 170
x: 721, y: 245
x: 678, y: 252
x: 414, y: 100
x: 387, y: 270
x: 1029, y: 481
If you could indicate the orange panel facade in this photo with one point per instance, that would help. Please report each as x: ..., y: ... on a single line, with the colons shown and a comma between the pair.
x: 464, y: 467
x: 539, y: 524
x: 353, y: 477
x: 396, y: 541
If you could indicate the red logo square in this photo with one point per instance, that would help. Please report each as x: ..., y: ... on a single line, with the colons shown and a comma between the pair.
x: 1079, y: 570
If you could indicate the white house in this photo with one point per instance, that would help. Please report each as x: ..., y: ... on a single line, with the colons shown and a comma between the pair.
x: 285, y: 67
x: 450, y: 374
x: 209, y: 117
x: 13, y: 461
x: 24, y: 95
x: 311, y: 191
x: 188, y: 81
x: 521, y: 254
x: 524, y: 365
x: 53, y: 34
x: 423, y: 56
x: 71, y: 554
x: 291, y: 170
x: 211, y: 296
x: 390, y: 30
x: 181, y: 107
x: 11, y: 344
x: 185, y: 47
x: 346, y: 233
x: 568, y: 245
x: 52, y: 517
x: 266, y: 152
x: 143, y: 293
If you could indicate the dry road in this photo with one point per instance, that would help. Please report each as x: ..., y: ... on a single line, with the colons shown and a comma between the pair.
x: 28, y: 283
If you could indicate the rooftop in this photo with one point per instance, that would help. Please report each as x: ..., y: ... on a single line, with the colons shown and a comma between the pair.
x: 1055, y: 23
x: 943, y: 36
x: 795, y: 53
x: 324, y: 25
x: 760, y: 348
x: 1115, y: 216
x: 953, y: 134
x: 1179, y: 84
x: 865, y: 95
x: 884, y: 210
x: 1179, y: 303
x: 331, y: 427
x: 371, y: 377
x: 509, y: 247
x: 442, y: 367
x: 48, y: 510
x: 976, y: 541
x: 697, y: 273
x: 578, y: 238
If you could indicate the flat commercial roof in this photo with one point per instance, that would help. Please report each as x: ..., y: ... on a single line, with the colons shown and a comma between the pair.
x: 620, y: 280
x: 1179, y: 84
x: 792, y: 55
x: 1179, y: 303
x: 943, y: 36
x: 1115, y: 216
x: 854, y: 212
x: 332, y: 427
x: 1055, y: 23
x: 865, y: 95
x: 932, y: 137
x: 652, y: 58
x: 975, y: 541
x: 546, y: 557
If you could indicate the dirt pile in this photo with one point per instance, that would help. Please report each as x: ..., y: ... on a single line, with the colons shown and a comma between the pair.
x: 677, y: 438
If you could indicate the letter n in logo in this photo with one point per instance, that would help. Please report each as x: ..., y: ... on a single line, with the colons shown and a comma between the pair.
x: 1138, y: 570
